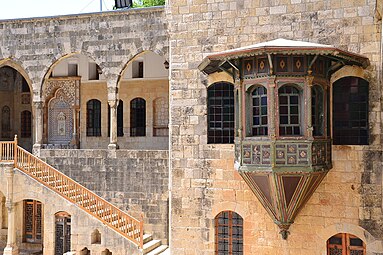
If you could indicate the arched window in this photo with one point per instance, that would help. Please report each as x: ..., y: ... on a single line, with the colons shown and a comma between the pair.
x: 138, y: 117
x: 93, y: 118
x: 161, y: 117
x: 228, y: 233
x: 26, y: 124
x: 6, y: 122
x: 120, y: 119
x: 345, y: 244
x: 289, y: 111
x: 220, y: 113
x: 350, y: 111
x: 259, y: 107
x: 317, y: 110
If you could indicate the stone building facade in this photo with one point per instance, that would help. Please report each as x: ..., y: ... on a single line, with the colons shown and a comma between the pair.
x: 117, y: 101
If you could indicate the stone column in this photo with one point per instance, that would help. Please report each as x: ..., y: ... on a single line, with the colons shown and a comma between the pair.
x: 38, y: 106
x: 75, y: 137
x: 11, y: 248
x: 113, y: 124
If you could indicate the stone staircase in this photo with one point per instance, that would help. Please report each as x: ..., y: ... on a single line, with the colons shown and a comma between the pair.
x: 111, y: 216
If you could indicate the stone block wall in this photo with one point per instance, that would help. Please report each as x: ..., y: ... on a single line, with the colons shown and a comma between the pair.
x: 203, y: 178
x: 136, y: 181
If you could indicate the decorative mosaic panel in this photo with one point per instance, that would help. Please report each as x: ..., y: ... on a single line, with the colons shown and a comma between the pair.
x: 262, y: 65
x: 60, y: 119
x: 298, y: 64
x: 248, y: 67
x: 257, y: 154
x: 70, y: 87
x: 292, y: 154
x: 282, y: 64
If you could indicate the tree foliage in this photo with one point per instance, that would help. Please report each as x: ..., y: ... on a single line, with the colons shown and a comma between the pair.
x: 148, y: 3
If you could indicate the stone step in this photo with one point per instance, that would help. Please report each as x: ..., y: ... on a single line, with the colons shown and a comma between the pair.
x: 159, y: 250
x: 147, y: 238
x: 151, y: 245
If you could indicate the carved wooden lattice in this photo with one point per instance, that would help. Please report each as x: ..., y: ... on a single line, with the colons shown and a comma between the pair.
x: 32, y: 221
x: 63, y: 229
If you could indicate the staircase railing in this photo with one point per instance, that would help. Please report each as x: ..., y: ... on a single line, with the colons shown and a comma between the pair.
x: 87, y: 200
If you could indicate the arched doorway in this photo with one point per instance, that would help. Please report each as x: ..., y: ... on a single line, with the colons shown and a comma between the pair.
x: 62, y: 233
x: 15, y: 107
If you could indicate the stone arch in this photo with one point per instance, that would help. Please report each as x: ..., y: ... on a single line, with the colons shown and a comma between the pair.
x: 58, y: 58
x: 19, y: 68
x: 219, y: 77
x: 130, y: 60
x: 16, y: 93
x: 347, y: 71
x: 229, y: 206
x: 372, y: 245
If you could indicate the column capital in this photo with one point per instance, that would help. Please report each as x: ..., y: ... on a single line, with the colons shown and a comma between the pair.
x: 309, y: 80
x: 113, y: 103
x: 10, y: 205
x: 38, y: 104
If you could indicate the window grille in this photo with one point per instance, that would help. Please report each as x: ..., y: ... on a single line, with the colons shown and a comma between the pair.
x: 228, y: 234
x: 350, y: 111
x: 221, y: 113
x: 93, y: 113
x: 138, y: 117
x: 289, y: 111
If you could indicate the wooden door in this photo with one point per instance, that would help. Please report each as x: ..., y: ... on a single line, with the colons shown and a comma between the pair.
x: 32, y: 221
x: 62, y: 233
x: 345, y: 244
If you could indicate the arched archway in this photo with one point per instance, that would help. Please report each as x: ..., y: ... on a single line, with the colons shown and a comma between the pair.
x: 144, y: 76
x: 62, y: 101
x: 15, y: 106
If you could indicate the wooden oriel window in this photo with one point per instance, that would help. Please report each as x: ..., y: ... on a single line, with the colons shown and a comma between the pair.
x: 93, y: 118
x: 345, y: 244
x: 289, y: 111
x: 138, y: 117
x: 350, y: 111
x: 32, y: 221
x: 26, y: 124
x: 220, y: 115
x: 228, y: 233
x: 259, y: 108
